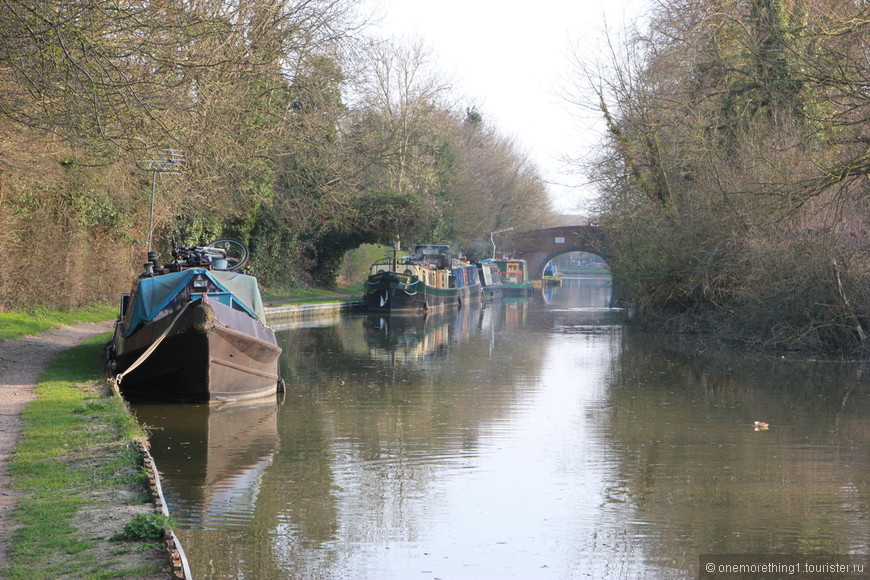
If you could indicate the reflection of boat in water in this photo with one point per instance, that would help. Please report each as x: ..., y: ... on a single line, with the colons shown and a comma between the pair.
x: 515, y: 313
x: 413, y: 336
x: 428, y: 279
x: 213, y: 457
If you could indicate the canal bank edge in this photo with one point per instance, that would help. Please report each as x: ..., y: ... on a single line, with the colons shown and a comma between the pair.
x: 97, y: 511
x: 22, y: 362
x: 286, y: 313
x: 178, y: 564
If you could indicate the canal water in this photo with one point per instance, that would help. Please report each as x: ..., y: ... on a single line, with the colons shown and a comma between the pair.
x: 530, y: 439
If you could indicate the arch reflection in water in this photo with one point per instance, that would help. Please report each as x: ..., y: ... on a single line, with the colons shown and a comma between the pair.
x: 585, y: 292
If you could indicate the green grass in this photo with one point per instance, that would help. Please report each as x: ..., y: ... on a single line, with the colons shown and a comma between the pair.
x: 314, y: 295
x: 24, y: 323
x: 78, y: 442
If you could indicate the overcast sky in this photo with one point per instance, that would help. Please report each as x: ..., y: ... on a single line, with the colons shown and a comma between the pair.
x: 513, y: 59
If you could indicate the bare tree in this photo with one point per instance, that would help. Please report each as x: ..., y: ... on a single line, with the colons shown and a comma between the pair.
x: 736, y: 166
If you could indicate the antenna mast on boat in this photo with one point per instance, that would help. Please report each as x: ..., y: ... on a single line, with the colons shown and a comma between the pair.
x: 492, y: 241
x: 170, y: 161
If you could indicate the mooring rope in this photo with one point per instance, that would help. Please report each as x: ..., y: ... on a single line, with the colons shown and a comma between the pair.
x: 120, y: 376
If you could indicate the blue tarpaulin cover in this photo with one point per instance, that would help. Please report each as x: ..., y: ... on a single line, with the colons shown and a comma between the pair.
x: 154, y: 294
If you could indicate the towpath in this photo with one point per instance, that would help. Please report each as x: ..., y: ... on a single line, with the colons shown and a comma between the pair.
x: 22, y: 361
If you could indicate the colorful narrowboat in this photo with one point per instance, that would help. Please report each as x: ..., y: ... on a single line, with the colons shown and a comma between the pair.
x: 515, y: 278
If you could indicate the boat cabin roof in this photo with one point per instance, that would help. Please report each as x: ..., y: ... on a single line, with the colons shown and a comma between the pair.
x: 153, y: 294
x: 431, y: 249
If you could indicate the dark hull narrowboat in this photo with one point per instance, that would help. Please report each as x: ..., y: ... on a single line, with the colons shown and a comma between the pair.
x: 428, y: 279
x: 390, y: 291
x: 194, y: 335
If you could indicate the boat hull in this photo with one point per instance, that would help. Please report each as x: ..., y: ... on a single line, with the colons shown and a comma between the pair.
x: 211, y: 353
x: 517, y: 290
x: 388, y: 292
x: 429, y: 279
x: 494, y: 292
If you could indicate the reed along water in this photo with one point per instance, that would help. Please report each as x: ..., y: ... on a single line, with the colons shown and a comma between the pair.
x: 529, y: 439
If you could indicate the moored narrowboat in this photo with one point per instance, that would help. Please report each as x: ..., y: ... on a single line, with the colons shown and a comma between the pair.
x: 516, y: 281
x: 490, y: 279
x: 429, y: 279
x: 194, y: 331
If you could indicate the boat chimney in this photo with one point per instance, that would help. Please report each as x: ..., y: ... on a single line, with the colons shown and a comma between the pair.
x: 151, y: 265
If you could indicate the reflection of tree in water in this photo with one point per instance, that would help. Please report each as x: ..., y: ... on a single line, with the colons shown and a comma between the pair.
x: 688, y: 459
x: 373, y: 410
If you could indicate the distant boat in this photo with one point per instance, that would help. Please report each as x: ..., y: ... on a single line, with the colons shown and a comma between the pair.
x: 429, y: 279
x: 550, y: 269
x: 194, y: 331
x: 516, y: 281
x: 490, y: 279
x: 550, y: 276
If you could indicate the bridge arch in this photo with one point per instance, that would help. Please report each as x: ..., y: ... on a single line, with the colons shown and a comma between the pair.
x: 537, y: 247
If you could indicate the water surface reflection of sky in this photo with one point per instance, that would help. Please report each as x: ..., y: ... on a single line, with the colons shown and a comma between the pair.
x: 524, y: 439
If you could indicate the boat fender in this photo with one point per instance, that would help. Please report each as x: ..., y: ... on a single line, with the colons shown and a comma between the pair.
x: 203, y: 317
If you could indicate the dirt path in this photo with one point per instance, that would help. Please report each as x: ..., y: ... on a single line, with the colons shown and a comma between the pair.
x: 22, y: 361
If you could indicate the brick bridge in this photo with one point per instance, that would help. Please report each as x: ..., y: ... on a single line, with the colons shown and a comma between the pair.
x: 538, y: 247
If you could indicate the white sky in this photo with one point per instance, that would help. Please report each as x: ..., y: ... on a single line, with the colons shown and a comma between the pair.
x: 513, y: 60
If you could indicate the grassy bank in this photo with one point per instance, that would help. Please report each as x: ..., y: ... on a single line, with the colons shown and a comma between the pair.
x: 25, y: 323
x: 80, y: 473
